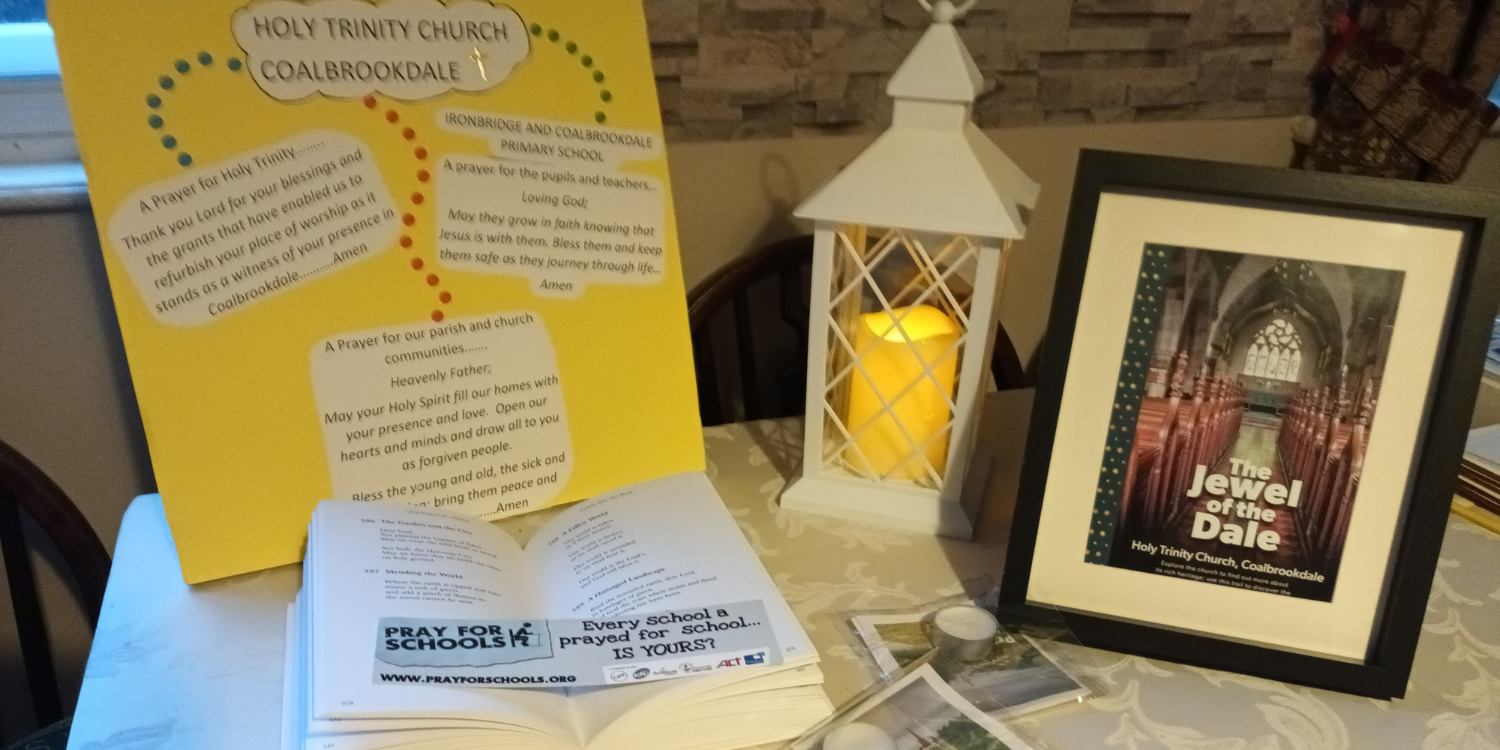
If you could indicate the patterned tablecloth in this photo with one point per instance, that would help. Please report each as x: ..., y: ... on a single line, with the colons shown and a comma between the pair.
x: 192, y: 668
x: 825, y: 566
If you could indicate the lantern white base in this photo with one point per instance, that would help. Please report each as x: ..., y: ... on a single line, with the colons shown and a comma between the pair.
x: 911, y: 508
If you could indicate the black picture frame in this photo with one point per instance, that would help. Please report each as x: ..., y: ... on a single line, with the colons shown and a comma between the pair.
x: 1459, y: 365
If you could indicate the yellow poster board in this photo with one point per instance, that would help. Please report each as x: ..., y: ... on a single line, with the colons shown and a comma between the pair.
x: 405, y: 251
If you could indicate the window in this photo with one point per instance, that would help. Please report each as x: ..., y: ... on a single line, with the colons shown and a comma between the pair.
x: 26, y: 39
x: 22, y: 11
x: 34, y: 124
x: 1276, y: 353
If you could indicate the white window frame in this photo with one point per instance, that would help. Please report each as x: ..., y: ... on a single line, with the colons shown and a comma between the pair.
x: 27, y: 50
x: 34, y: 124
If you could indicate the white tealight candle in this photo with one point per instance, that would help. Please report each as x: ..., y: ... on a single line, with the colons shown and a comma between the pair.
x: 858, y: 736
x: 965, y: 632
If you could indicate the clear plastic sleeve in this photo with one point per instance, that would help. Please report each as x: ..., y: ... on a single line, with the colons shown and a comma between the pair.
x: 956, y: 673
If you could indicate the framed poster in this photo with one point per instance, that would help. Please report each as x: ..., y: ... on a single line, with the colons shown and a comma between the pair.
x: 1254, y: 395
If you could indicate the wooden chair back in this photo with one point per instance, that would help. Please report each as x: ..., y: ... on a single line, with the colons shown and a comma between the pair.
x: 785, y: 264
x: 24, y: 488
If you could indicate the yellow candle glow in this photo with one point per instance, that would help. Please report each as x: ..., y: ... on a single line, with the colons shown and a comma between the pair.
x: 892, y: 364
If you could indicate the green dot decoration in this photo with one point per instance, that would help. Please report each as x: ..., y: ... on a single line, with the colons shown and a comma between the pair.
x: 1136, y: 363
x: 587, y: 60
x: 167, y: 83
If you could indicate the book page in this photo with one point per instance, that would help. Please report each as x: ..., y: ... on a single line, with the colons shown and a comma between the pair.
x: 664, y: 544
x: 780, y: 702
x: 368, y: 561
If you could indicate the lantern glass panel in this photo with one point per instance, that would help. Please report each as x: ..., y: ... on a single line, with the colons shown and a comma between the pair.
x: 898, y: 325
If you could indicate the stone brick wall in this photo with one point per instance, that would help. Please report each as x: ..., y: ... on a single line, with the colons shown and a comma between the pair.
x: 777, y: 68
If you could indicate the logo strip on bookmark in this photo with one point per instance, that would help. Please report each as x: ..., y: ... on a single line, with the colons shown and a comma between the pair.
x: 574, y: 652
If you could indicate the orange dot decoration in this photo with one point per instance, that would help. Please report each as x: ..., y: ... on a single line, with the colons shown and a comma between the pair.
x: 408, y: 133
x: 408, y: 219
x: 421, y: 153
x: 416, y: 198
x: 416, y: 263
x: 405, y: 241
x: 445, y: 298
x: 437, y: 316
x: 369, y: 101
x: 432, y: 279
x: 391, y: 116
x: 422, y: 175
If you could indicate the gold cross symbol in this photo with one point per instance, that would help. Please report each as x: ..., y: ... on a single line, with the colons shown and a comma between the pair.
x: 478, y: 58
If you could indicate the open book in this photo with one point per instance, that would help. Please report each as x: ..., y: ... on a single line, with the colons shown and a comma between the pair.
x: 666, y: 544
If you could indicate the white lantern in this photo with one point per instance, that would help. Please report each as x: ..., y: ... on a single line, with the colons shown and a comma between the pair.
x: 910, y: 251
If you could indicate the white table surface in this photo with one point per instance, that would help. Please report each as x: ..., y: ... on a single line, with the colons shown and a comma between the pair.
x: 199, y: 668
x: 178, y: 666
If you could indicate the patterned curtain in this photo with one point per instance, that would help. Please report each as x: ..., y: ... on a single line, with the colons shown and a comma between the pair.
x: 1408, y: 81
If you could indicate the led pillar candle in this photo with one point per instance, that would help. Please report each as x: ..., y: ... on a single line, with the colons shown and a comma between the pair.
x: 893, y: 369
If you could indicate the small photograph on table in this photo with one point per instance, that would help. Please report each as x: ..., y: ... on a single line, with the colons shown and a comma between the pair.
x: 917, y: 712
x: 1016, y: 678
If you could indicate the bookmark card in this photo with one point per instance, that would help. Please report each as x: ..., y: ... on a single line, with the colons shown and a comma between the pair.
x: 541, y: 653
x: 403, y: 251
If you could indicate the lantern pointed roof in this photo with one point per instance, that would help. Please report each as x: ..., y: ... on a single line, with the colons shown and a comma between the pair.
x: 933, y: 170
x: 939, y: 68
